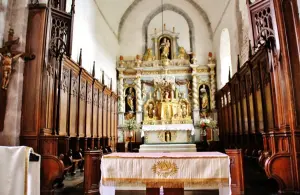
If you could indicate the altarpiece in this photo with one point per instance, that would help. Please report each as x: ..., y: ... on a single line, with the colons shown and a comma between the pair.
x: 166, y: 91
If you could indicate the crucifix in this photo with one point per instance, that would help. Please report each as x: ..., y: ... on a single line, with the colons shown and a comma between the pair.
x: 9, y: 57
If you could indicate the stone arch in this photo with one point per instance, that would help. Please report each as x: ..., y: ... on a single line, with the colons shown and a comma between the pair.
x: 175, y: 9
x: 136, y: 2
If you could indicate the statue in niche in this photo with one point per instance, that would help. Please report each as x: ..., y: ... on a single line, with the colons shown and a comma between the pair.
x: 184, y: 110
x: 151, y: 111
x: 149, y: 56
x: 167, y: 96
x: 204, y: 100
x: 167, y: 136
x: 165, y: 44
x: 130, y: 99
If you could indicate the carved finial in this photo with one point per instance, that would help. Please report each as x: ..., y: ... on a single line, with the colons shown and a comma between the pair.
x: 102, y: 76
x: 73, y: 7
x: 80, y: 58
x: 238, y: 62
x: 250, y: 49
x: 164, y: 26
x: 229, y: 74
x: 111, y: 83
x: 93, y: 71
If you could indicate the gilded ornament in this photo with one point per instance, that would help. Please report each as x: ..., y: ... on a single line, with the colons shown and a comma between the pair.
x: 165, y: 168
x: 182, y: 53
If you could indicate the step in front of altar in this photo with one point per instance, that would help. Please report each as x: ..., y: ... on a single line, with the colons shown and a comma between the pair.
x: 167, y: 148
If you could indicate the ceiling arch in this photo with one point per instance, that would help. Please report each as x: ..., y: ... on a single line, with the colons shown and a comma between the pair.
x: 136, y: 2
x: 175, y: 9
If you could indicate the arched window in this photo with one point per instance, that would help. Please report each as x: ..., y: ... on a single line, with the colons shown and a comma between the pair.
x: 225, y: 56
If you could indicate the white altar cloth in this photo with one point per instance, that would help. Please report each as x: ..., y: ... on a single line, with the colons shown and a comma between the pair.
x: 18, y: 175
x: 193, y: 170
x: 169, y: 127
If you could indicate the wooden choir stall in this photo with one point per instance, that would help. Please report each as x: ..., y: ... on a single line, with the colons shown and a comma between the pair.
x: 258, y: 108
x: 66, y: 111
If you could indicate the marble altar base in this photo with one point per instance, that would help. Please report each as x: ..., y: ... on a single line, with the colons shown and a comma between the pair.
x: 168, y: 137
x: 153, y: 148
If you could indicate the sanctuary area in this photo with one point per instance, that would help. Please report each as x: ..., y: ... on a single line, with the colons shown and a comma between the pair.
x: 149, y: 97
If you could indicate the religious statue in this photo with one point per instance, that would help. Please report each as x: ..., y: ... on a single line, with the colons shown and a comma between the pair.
x: 167, y: 96
x: 184, y: 110
x: 121, y: 63
x: 138, y: 61
x: 9, y: 58
x: 151, y: 110
x: 204, y: 100
x: 204, y: 97
x: 7, y: 61
x: 167, y: 136
x: 130, y: 100
x: 149, y: 56
x: 182, y: 53
x: 165, y: 48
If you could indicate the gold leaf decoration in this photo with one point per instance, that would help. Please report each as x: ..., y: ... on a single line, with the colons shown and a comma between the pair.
x: 165, y: 168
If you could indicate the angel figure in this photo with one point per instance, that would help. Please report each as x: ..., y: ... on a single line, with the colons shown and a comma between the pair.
x: 7, y: 60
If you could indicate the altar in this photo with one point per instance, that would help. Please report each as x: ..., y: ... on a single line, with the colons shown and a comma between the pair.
x: 194, y: 170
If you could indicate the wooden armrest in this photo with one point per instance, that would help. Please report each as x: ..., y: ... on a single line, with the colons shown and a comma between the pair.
x: 52, y: 168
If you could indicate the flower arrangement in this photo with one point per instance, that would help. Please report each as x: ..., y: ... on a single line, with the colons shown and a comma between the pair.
x: 206, y: 123
x: 131, y: 125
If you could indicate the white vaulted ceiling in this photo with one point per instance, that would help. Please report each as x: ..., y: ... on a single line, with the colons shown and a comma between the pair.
x: 116, y: 11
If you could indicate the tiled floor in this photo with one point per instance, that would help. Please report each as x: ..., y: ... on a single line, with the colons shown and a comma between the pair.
x: 256, y: 183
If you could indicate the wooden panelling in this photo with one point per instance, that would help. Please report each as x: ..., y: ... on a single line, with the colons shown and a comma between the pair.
x: 92, y: 173
x: 82, y: 105
x: 100, y: 112
x: 74, y: 97
x: 95, y: 110
x: 265, y: 91
x: 64, y: 102
x: 33, y: 71
x: 89, y: 103
x: 236, y: 171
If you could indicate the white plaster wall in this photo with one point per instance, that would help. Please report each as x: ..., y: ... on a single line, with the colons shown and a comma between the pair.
x: 98, y: 42
x: 3, y: 12
x: 131, y: 37
x: 229, y: 20
x: 181, y: 27
x: 298, y: 1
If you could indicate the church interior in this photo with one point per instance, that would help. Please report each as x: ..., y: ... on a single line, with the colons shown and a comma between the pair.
x: 149, y: 97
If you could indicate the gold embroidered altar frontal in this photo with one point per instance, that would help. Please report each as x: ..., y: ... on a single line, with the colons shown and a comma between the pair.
x: 198, y: 170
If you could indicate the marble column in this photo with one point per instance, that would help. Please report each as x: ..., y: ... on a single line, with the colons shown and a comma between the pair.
x: 139, y: 112
x: 121, y: 105
x: 196, y: 114
x: 212, y: 85
x: 156, y: 50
